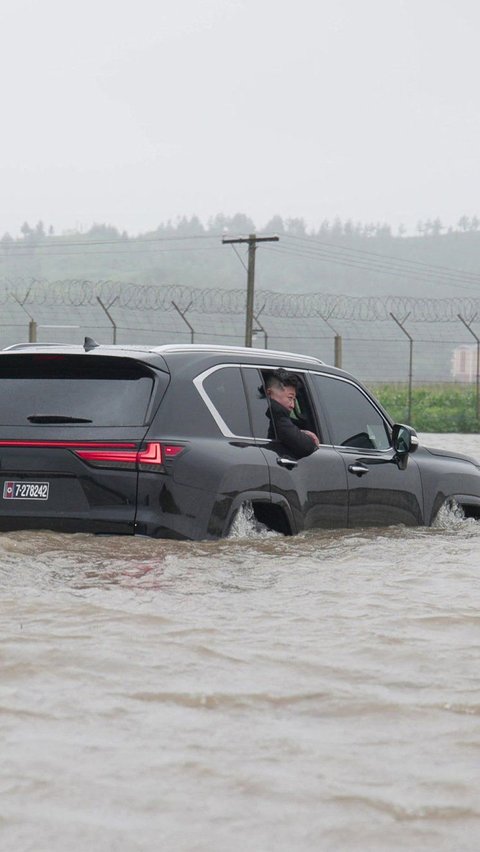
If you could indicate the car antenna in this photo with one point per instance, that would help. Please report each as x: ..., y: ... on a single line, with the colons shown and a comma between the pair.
x: 89, y: 343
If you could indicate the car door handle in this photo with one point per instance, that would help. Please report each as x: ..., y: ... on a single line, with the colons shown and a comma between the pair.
x: 287, y: 462
x: 358, y: 469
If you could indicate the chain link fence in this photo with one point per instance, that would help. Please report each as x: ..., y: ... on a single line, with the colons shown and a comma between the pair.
x: 394, y: 339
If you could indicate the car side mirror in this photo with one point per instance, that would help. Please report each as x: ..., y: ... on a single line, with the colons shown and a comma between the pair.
x: 404, y: 441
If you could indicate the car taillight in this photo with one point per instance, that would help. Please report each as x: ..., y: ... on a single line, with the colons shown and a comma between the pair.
x: 152, y: 457
x: 103, y: 454
x: 108, y: 455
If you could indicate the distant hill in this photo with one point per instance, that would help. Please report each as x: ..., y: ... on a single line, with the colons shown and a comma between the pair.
x: 340, y: 257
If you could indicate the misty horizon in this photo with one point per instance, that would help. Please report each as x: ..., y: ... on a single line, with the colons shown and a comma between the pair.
x: 363, y: 111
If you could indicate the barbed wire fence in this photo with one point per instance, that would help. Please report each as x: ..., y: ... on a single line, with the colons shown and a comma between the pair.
x: 396, y: 339
x: 81, y: 293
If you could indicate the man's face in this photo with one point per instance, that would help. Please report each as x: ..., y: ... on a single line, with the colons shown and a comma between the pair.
x: 286, y: 396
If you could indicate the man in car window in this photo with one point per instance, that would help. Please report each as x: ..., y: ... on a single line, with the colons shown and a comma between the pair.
x: 282, y: 393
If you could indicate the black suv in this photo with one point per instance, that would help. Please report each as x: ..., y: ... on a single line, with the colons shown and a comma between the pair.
x: 171, y: 441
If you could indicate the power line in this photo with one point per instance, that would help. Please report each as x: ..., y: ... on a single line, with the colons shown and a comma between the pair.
x: 17, y: 245
x: 389, y: 269
x: 382, y: 264
x: 132, y: 254
x: 314, y: 243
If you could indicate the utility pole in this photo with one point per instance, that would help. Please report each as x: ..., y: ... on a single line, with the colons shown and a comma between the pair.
x: 252, y: 241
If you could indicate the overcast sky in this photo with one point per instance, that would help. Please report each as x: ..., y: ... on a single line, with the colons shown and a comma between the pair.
x: 136, y: 113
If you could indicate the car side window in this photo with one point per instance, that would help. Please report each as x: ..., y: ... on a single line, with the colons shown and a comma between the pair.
x: 257, y: 401
x: 224, y: 388
x: 353, y: 419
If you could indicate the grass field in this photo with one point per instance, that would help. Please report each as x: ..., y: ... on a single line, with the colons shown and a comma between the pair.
x: 435, y: 408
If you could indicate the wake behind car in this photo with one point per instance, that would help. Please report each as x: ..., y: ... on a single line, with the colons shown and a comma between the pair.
x: 172, y: 441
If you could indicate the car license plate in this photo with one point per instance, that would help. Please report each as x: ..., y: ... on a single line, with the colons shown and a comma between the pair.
x: 25, y: 490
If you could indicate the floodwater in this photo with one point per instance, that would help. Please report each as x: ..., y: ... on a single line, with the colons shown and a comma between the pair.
x: 258, y: 693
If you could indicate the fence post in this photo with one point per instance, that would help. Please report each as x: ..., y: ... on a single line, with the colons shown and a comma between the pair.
x: 32, y: 325
x: 110, y: 316
x: 410, y: 362
x: 338, y: 351
x: 337, y: 340
x: 260, y: 327
x: 468, y: 326
x: 182, y: 314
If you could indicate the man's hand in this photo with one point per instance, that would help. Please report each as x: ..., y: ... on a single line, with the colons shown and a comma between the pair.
x: 312, y: 436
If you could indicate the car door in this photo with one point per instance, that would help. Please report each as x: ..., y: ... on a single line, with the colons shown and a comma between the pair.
x: 315, y: 487
x: 379, y: 492
x: 228, y: 462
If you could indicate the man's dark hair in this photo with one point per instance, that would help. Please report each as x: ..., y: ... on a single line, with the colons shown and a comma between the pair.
x: 282, y: 377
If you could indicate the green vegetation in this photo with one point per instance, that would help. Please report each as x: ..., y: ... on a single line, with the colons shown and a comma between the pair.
x: 435, y: 408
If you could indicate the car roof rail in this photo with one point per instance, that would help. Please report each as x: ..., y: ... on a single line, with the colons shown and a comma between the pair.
x: 14, y: 346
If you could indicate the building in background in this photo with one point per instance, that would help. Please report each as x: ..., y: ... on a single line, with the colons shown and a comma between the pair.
x: 464, y: 363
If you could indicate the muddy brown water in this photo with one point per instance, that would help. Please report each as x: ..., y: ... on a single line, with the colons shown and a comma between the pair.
x: 258, y: 693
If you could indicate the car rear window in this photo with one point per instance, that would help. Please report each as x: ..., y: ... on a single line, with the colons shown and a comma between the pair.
x: 93, y: 390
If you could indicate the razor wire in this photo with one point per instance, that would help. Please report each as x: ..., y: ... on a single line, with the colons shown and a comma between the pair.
x: 149, y: 297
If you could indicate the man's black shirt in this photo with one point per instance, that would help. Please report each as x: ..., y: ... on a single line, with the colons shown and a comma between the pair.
x: 284, y: 429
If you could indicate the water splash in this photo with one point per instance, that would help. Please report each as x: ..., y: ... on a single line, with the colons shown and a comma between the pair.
x: 245, y: 524
x: 451, y: 516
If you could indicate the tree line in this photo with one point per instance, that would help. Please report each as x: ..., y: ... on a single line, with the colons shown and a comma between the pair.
x: 243, y: 224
